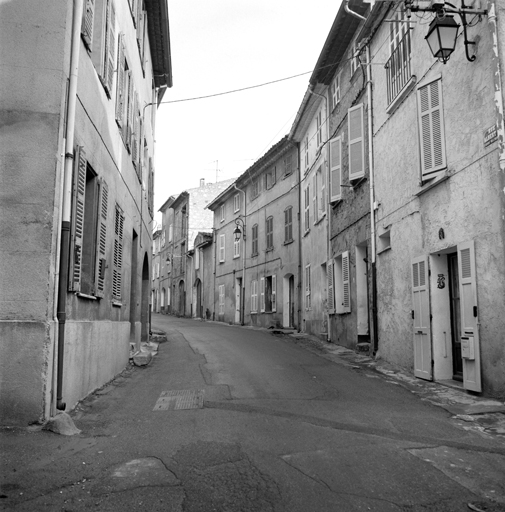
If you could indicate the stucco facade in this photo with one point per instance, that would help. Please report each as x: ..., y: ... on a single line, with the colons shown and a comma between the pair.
x: 440, y: 264
x: 257, y: 276
x: 72, y: 185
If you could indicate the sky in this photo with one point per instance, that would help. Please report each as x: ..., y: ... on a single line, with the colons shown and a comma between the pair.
x: 223, y: 45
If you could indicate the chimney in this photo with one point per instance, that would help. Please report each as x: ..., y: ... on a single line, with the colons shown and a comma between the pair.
x: 202, y: 182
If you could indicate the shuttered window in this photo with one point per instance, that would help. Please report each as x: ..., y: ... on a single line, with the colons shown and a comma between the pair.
x: 330, y: 287
x: 356, y: 142
x: 288, y: 224
x: 342, y: 283
x: 87, y: 22
x: 308, y: 298
x: 307, y: 208
x: 102, y: 239
x: 121, y: 91
x: 262, y: 295
x: 221, y: 299
x: 254, y: 296
x: 431, y: 129
x: 109, y: 48
x: 255, y: 240
x: 117, y: 269
x: 335, y: 169
x: 270, y: 233
x: 222, y: 241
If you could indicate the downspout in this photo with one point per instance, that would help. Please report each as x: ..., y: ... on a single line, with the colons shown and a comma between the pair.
x: 496, y: 61
x: 215, y: 270
x: 372, y: 201
x: 242, y: 298
x: 67, y: 196
x: 191, y: 286
x: 355, y: 14
x: 328, y: 248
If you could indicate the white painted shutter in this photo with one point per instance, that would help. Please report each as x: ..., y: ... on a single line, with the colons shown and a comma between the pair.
x: 77, y: 222
x: 335, y: 169
x: 221, y: 247
x: 322, y: 206
x: 469, y: 316
x: 110, y: 48
x: 346, y: 283
x: 274, y: 294
x: 421, y: 319
x: 356, y: 142
x: 87, y: 22
x: 314, y: 197
x: 262, y: 294
x: 431, y: 128
x: 117, y: 270
x: 330, y: 287
x: 128, y: 133
x: 254, y: 296
x: 101, y: 243
x: 307, y: 209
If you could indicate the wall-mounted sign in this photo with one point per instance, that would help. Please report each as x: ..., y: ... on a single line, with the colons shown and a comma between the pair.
x: 490, y: 135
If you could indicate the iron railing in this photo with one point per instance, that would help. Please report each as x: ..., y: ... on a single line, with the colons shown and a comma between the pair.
x: 398, y: 68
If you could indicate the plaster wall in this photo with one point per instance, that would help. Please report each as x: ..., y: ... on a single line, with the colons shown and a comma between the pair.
x: 466, y: 206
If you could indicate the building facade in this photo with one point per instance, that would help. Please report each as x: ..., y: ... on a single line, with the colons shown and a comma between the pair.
x: 77, y: 184
x: 257, y: 243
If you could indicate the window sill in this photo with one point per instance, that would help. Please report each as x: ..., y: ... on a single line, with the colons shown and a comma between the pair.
x: 287, y: 242
x: 116, y: 303
x: 433, y: 183
x: 356, y: 182
x: 401, y: 95
x: 255, y: 255
x: 236, y: 257
x: 86, y: 296
x: 269, y: 249
x: 307, y: 231
x: 384, y: 249
x: 336, y: 202
x: 320, y: 219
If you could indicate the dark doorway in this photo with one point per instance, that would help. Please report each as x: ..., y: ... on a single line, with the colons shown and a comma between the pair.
x: 199, y: 305
x: 457, y: 361
x: 182, y: 299
x: 144, y: 303
x: 134, y: 299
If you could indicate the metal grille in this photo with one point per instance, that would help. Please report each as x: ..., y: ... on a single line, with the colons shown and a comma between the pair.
x: 178, y: 400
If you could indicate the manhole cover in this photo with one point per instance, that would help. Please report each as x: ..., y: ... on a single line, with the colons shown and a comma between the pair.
x: 184, y: 399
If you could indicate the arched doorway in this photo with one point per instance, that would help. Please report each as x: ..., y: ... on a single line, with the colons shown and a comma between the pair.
x: 288, y: 311
x: 144, y: 302
x: 163, y: 300
x: 182, y: 299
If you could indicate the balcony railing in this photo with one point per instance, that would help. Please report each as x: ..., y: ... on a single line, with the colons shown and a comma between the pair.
x: 398, y: 68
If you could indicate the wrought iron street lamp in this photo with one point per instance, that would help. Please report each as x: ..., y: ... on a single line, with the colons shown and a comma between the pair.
x: 238, y: 232
x: 441, y: 37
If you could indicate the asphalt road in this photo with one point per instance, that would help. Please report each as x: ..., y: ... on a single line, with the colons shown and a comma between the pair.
x: 233, y: 419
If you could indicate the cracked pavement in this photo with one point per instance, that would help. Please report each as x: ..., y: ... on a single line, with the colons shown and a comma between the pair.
x: 280, y: 424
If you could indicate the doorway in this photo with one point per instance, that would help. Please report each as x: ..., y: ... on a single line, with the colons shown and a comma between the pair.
x: 199, y: 305
x: 238, y: 300
x: 288, y: 310
x: 182, y: 299
x: 454, y: 299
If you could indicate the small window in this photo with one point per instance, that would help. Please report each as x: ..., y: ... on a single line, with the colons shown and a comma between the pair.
x: 306, y: 152
x: 307, y: 208
x: 222, y: 212
x: 270, y: 178
x: 384, y: 241
x: 335, y: 91
x: 255, y: 240
x: 354, y: 57
x: 288, y: 165
x: 342, y: 284
x: 270, y: 233
x: 319, y: 128
x: 221, y: 299
x: 288, y: 224
x: 255, y: 189
x: 356, y: 142
x: 335, y: 169
x: 236, y: 248
x: 308, y: 304
x: 236, y: 203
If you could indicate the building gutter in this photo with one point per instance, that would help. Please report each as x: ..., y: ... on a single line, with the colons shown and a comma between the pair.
x: 355, y: 14
x: 373, y: 249
x: 242, y: 291
x: 67, y: 196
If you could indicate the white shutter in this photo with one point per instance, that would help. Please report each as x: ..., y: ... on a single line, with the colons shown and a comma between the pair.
x: 346, y: 283
x: 314, y: 197
x: 262, y: 294
x: 274, y: 294
x: 322, y: 206
x: 221, y: 248
x: 431, y: 129
x: 470, y: 342
x: 356, y: 142
x: 335, y: 169
x: 421, y: 317
x: 121, y: 78
x: 307, y: 209
x: 254, y: 296
x: 101, y: 243
x: 77, y: 226
x: 330, y: 287
x: 110, y: 48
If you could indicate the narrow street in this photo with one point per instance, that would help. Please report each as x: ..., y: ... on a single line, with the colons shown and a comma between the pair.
x: 231, y: 419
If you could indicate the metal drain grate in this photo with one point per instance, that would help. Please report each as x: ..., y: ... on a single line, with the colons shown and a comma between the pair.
x: 176, y: 400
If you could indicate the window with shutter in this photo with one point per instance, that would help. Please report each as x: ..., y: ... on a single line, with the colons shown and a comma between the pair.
x: 330, y: 287
x: 288, y: 224
x: 221, y: 299
x: 314, y: 198
x: 87, y: 22
x: 117, y: 269
x: 121, y: 82
x: 102, y: 239
x: 307, y: 208
x: 273, y: 292
x: 270, y: 233
x: 254, y: 296
x: 255, y: 240
x: 308, y: 304
x: 335, y: 169
x: 288, y: 165
x: 342, y: 283
x: 221, y: 248
x: 109, y: 48
x: 236, y: 248
x: 262, y: 295
x: 431, y: 129
x: 346, y: 283
x: 356, y: 143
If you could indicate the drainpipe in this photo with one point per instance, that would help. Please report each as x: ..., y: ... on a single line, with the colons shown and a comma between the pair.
x: 496, y: 60
x: 67, y: 196
x: 242, y: 299
x: 372, y: 201
x: 191, y: 286
x: 355, y: 14
x: 328, y: 225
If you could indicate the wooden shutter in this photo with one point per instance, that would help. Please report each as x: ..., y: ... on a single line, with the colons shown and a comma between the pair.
x: 121, y: 77
x: 323, y: 188
x: 330, y: 287
x: 307, y: 210
x: 356, y: 142
x: 431, y: 128
x: 221, y: 248
x: 262, y: 294
x: 346, y: 283
x: 135, y: 130
x: 101, y: 243
x: 87, y: 22
x: 110, y: 48
x: 421, y: 317
x: 307, y: 288
x: 77, y: 222
x: 274, y: 294
x: 128, y: 132
x: 335, y: 169
x: 470, y: 342
x: 314, y: 197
